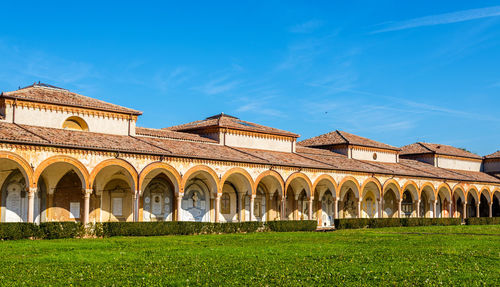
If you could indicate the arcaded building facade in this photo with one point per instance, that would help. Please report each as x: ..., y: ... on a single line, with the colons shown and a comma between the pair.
x: 67, y: 157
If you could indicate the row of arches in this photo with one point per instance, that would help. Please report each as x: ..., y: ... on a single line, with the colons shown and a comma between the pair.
x: 61, y: 189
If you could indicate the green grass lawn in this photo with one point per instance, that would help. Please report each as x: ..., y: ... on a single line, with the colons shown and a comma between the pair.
x: 454, y: 255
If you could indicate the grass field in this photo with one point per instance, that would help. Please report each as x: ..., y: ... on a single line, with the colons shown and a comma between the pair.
x: 454, y: 255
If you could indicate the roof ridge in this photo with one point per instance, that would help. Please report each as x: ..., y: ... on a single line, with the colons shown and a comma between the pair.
x: 424, y: 146
x: 340, y: 133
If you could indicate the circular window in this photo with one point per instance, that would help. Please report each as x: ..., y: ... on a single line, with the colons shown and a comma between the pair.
x: 374, y: 156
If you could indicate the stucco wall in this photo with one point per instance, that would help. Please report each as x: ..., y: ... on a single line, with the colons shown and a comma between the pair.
x: 492, y: 166
x: 458, y: 164
x: 368, y: 155
x: 55, y: 119
x: 258, y: 143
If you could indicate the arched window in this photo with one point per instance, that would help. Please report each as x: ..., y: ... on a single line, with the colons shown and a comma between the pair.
x: 75, y: 123
x: 225, y: 204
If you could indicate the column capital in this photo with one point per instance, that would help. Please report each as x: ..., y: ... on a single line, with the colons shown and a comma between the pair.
x: 32, y: 191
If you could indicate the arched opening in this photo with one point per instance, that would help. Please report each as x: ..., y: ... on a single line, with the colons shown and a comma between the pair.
x: 407, y: 204
x: 67, y: 200
x: 236, y: 191
x: 484, y: 206
x: 116, y: 201
x: 391, y: 204
x: 458, y: 202
x: 496, y: 204
x: 471, y: 205
x: 271, y: 185
x: 297, y: 202
x: 14, y: 196
x: 443, y: 203
x: 349, y: 198
x: 303, y: 206
x: 369, y: 206
x: 324, y: 208
x: 158, y: 199
x: 427, y: 198
x: 200, y: 190
x: 75, y: 123
x: 259, y: 209
x: 327, y: 209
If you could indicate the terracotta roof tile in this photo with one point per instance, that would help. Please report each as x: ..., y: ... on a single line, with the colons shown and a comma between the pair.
x: 342, y: 138
x: 162, y: 133
x: 440, y: 149
x: 226, y: 121
x: 44, y: 93
x: 494, y: 155
x: 305, y: 157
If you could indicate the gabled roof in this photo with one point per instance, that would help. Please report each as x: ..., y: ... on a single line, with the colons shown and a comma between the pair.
x: 167, y: 134
x: 43, y: 93
x: 226, y: 121
x: 344, y: 138
x: 494, y: 155
x: 440, y: 149
x: 304, y: 157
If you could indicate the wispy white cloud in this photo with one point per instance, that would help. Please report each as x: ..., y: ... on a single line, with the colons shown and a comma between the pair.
x: 440, y: 19
x: 306, y: 27
x: 218, y: 86
x: 167, y: 80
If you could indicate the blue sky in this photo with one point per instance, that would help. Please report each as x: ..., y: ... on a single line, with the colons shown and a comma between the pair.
x: 394, y: 71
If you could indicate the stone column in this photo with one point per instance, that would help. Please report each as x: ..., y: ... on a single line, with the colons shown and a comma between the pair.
x: 399, y: 209
x: 252, y: 207
x: 86, y: 205
x: 477, y: 209
x: 135, y: 202
x: 418, y: 208
x: 450, y: 215
x: 359, y: 207
x: 491, y: 208
x: 31, y: 204
x: 217, y: 207
x: 464, y: 213
x: 238, y: 206
x: 434, y: 206
x: 310, y: 215
x: 283, y: 207
x: 178, y: 202
x: 336, y: 208
x: 380, y: 208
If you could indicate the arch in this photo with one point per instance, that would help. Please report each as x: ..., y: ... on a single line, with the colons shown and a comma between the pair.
x: 25, y: 169
x: 346, y: 180
x: 446, y: 186
x: 374, y: 180
x: 158, y: 165
x: 461, y: 195
x: 475, y: 194
x: 275, y: 175
x: 196, y: 169
x: 237, y: 170
x: 427, y: 184
x: 327, y: 178
x: 408, y: 183
x: 395, y: 183
x: 488, y: 194
x: 118, y: 162
x: 64, y: 159
x: 324, y: 177
x: 296, y: 175
x: 75, y: 123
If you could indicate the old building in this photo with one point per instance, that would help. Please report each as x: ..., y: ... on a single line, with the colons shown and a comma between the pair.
x: 67, y: 157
